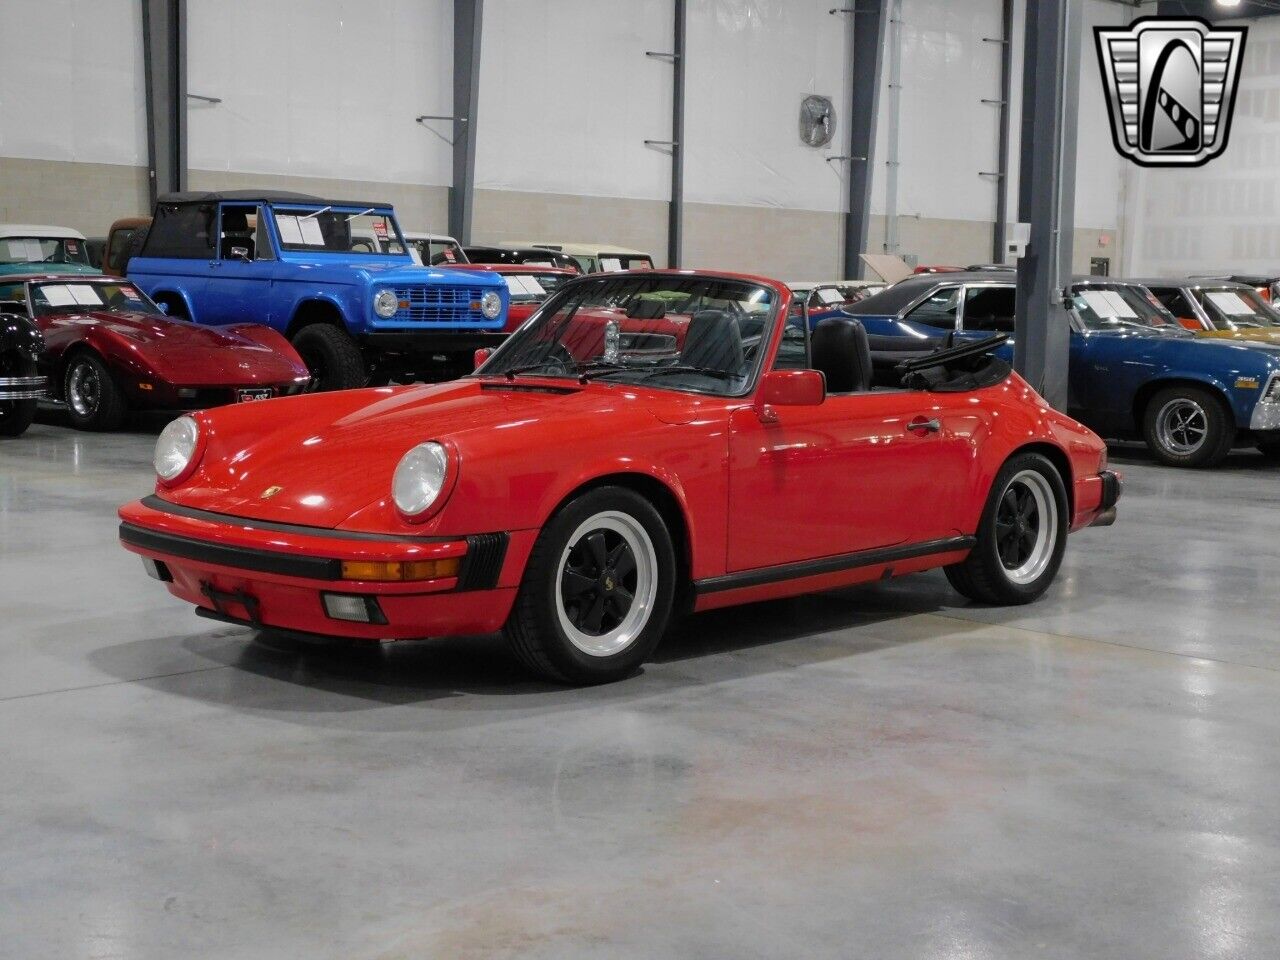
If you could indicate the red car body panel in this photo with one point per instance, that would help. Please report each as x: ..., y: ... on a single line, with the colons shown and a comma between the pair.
x: 154, y: 356
x: 517, y: 313
x: 750, y: 490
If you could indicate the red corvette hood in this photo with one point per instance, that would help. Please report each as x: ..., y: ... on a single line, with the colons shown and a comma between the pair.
x: 331, y: 455
x: 189, y: 354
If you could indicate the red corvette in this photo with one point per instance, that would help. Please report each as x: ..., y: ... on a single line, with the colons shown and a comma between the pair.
x: 577, y: 502
x: 108, y: 349
x: 529, y: 284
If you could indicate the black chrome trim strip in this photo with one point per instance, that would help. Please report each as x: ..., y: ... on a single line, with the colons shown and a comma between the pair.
x: 243, y: 558
x: 847, y: 561
x: 178, y: 510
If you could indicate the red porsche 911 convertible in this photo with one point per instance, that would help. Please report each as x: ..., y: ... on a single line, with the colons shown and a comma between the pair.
x: 647, y: 444
x: 109, y: 349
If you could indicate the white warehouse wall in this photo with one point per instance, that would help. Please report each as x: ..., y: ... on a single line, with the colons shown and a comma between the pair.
x: 1225, y: 215
x: 321, y: 95
x: 73, y: 143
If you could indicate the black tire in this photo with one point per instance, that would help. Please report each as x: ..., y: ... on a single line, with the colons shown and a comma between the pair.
x: 94, y: 399
x: 1270, y: 449
x: 1188, y: 426
x: 16, y: 416
x: 550, y: 629
x: 332, y: 357
x: 1002, y: 569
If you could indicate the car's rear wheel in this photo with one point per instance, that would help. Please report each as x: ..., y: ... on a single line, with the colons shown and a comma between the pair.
x: 1188, y: 426
x: 332, y: 357
x: 16, y: 415
x: 597, y: 592
x: 1021, y: 536
x: 94, y: 400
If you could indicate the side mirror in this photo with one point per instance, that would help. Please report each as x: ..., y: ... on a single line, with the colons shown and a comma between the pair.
x: 240, y: 253
x: 481, y: 356
x: 789, y: 388
x: 162, y: 306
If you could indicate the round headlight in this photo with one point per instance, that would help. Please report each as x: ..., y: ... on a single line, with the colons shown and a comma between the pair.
x: 491, y: 305
x: 385, y: 303
x: 175, y: 447
x: 419, y: 478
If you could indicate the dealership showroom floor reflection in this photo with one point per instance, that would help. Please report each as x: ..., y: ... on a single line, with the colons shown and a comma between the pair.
x: 883, y: 770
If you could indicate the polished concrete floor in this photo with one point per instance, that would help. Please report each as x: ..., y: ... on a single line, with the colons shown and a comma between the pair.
x: 882, y: 772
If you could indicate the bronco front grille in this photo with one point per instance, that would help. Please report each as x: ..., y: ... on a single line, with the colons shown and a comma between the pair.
x: 440, y: 304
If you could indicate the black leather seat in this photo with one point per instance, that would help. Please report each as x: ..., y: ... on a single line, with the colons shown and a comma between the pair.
x: 839, y: 349
x: 236, y: 235
x: 713, y: 341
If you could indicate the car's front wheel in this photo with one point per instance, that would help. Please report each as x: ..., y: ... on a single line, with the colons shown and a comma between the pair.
x: 332, y: 357
x: 1188, y: 426
x: 94, y: 401
x: 597, y: 592
x: 1021, y: 536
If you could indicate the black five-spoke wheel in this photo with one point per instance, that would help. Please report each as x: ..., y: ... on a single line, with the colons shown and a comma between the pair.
x: 598, y: 586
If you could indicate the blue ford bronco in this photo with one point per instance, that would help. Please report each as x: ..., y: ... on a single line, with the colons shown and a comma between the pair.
x: 303, y: 265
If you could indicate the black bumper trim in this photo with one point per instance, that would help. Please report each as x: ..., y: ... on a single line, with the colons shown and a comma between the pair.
x: 243, y: 558
x: 847, y: 561
x: 178, y: 510
x: 1111, y: 489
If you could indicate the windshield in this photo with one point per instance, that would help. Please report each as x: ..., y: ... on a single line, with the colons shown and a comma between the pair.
x: 1112, y: 306
x: 615, y: 262
x: 533, y: 287
x: 43, y: 250
x: 49, y: 299
x: 676, y: 332
x: 1236, y: 308
x: 336, y: 229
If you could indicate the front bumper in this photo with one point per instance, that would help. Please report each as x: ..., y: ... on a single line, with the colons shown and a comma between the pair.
x: 22, y: 388
x: 278, y: 576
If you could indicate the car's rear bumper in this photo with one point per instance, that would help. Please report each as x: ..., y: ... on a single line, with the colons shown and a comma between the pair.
x: 1096, y: 498
x: 22, y: 388
x: 277, y: 576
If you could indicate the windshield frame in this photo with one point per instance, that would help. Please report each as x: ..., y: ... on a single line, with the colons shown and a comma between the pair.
x: 1170, y: 326
x: 1245, y: 292
x: 769, y: 334
x: 30, y: 286
x: 274, y: 209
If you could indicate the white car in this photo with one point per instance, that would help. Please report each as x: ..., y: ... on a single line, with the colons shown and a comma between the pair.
x: 591, y: 257
x: 35, y: 248
x: 434, y: 249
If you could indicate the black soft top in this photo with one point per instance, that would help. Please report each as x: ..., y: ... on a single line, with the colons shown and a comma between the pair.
x: 264, y: 196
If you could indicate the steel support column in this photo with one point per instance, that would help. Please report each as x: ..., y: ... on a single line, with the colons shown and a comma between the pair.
x: 867, y: 20
x: 675, y: 212
x: 164, y: 57
x: 468, y: 16
x: 998, y: 250
x: 1046, y: 192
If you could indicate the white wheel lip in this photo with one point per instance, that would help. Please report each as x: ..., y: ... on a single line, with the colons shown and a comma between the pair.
x: 621, y: 637
x: 1046, y: 541
x: 1164, y: 430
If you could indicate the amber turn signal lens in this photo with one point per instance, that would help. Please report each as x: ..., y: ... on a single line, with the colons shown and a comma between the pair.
x: 397, y: 571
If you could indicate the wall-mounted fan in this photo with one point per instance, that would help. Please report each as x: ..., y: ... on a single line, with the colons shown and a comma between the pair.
x: 817, y: 121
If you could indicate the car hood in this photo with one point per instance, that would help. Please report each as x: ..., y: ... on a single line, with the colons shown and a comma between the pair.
x: 189, y: 354
x: 393, y: 270
x: 333, y: 455
x: 1254, y: 336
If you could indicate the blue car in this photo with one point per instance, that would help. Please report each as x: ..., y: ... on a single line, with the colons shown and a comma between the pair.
x: 308, y: 268
x: 1135, y: 372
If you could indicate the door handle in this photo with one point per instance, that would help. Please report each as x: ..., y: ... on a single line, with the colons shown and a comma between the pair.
x: 924, y: 425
